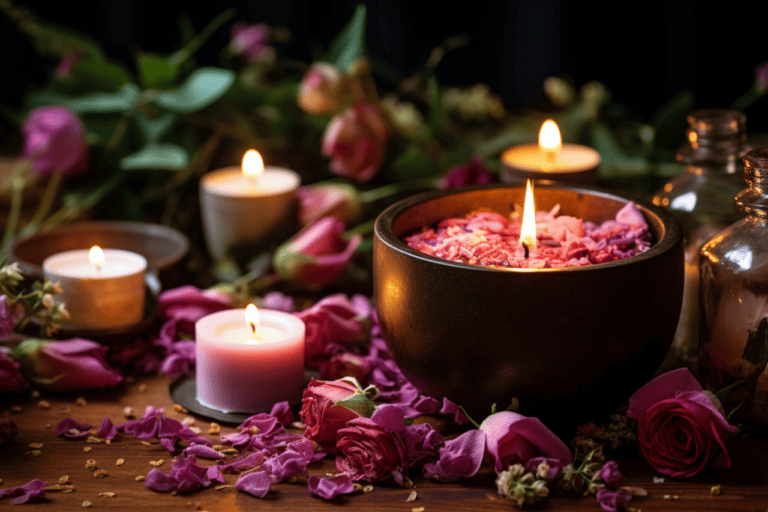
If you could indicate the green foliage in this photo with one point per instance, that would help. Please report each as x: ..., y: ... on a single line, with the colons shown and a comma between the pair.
x: 157, y: 70
x: 201, y: 89
x: 105, y: 102
x: 349, y: 45
x: 164, y: 156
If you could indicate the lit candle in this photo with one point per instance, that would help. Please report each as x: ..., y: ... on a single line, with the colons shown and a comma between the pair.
x: 243, y: 204
x: 550, y: 159
x: 102, y: 289
x: 528, y: 226
x: 248, y: 360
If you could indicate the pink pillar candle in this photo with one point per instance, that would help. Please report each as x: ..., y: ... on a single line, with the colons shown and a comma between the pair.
x: 237, y: 373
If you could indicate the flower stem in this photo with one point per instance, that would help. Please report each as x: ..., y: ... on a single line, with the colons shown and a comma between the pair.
x: 370, y: 196
x: 17, y: 187
x: 361, y: 229
x: 476, y: 424
x: 46, y: 203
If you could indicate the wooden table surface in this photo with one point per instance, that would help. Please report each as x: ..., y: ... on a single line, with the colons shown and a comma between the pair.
x: 744, y: 486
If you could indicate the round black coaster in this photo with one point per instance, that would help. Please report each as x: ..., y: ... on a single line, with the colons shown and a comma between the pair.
x: 184, y: 392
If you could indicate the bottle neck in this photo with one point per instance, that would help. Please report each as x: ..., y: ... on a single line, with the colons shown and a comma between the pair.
x: 754, y: 200
x: 717, y: 142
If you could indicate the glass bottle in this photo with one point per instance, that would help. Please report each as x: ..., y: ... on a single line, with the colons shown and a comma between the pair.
x: 734, y: 299
x: 702, y: 200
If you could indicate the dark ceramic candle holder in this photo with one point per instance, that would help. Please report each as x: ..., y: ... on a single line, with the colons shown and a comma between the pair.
x: 570, y: 344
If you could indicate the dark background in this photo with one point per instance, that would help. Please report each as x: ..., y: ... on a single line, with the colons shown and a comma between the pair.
x: 644, y: 52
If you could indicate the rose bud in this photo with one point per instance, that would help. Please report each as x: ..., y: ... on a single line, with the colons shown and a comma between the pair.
x: 316, y: 255
x: 355, y: 141
x: 54, y: 139
x: 339, y: 200
x: 61, y: 366
x: 512, y: 438
x: 11, y: 380
x: 473, y: 173
x: 321, y: 89
x: 250, y: 41
x: 320, y: 413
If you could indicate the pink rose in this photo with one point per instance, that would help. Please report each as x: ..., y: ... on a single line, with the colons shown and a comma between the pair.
x: 339, y: 200
x: 11, y: 380
x: 473, y: 173
x: 316, y: 255
x: 318, y: 413
x: 321, y: 88
x: 355, y: 141
x: 681, y: 430
x: 333, y: 319
x: 188, y: 304
x: 369, y: 452
x: 512, y: 438
x: 70, y: 365
x: 54, y: 139
x: 250, y: 41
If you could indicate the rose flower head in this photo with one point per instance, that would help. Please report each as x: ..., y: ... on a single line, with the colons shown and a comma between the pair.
x: 54, y: 140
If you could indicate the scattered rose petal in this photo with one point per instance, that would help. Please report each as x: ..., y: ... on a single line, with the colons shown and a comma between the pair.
x: 329, y: 488
x: 460, y: 457
x: 452, y: 408
x: 203, y: 452
x: 73, y: 429
x: 256, y: 484
x: 107, y: 430
x: 26, y: 492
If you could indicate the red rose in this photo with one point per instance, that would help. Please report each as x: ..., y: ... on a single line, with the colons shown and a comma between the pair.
x: 371, y: 453
x: 681, y: 430
x: 318, y: 413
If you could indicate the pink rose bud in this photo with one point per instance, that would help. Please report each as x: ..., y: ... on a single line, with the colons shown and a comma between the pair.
x: 321, y: 89
x: 671, y: 407
x: 11, y: 380
x: 66, y: 64
x: 71, y: 365
x: 250, y: 41
x: 317, y: 255
x: 355, y: 141
x: 54, y: 139
x: 473, y: 173
x: 322, y: 199
x: 318, y: 413
x: 512, y: 438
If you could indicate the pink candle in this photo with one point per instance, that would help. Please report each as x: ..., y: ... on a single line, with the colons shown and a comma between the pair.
x: 239, y: 370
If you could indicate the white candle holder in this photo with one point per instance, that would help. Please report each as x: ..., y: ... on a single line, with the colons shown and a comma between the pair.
x: 109, y: 296
x: 238, y: 209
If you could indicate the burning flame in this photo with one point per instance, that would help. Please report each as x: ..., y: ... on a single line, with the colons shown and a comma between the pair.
x: 252, y: 318
x: 96, y: 256
x: 528, y: 228
x: 549, y: 136
x: 253, y: 164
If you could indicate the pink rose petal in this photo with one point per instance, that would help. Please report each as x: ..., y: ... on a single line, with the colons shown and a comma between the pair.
x: 26, y: 492
x: 329, y: 488
x: 256, y: 484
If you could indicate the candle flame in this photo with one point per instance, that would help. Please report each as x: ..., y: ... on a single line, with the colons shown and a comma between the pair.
x: 528, y: 228
x: 252, y: 318
x: 549, y: 136
x: 96, y: 255
x: 253, y: 164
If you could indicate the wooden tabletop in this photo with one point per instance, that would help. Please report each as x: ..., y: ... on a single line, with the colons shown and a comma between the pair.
x: 744, y: 487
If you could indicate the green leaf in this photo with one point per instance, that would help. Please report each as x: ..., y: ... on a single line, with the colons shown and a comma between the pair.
x: 100, y: 74
x: 669, y: 121
x: 756, y: 350
x: 45, y: 98
x: 413, y: 164
x: 160, y: 156
x: 349, y: 45
x: 436, y: 111
x: 203, y: 87
x: 104, y: 102
x: 157, y: 70
x: 358, y: 403
x: 154, y: 129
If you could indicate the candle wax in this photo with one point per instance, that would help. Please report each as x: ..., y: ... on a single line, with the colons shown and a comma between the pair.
x: 233, y: 182
x: 570, y: 158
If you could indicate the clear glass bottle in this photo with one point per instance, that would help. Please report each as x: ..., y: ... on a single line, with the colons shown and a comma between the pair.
x: 734, y: 298
x: 702, y: 199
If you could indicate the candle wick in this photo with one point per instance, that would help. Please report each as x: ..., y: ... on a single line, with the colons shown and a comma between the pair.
x: 526, y: 249
x: 253, y: 328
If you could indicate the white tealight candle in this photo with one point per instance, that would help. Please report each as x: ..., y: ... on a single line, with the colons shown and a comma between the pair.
x: 550, y: 159
x: 244, y: 204
x: 247, y: 361
x: 101, y: 289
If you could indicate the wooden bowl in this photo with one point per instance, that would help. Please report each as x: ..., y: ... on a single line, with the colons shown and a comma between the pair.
x: 568, y: 343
